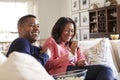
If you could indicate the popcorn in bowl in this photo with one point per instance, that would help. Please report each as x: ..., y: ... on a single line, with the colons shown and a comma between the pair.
x: 71, y: 75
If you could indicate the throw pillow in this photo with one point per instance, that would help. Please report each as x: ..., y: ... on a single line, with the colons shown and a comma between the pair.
x: 86, y: 44
x: 20, y: 66
x: 101, y: 54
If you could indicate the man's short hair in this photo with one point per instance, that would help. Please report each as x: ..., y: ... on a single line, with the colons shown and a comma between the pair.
x: 23, y: 19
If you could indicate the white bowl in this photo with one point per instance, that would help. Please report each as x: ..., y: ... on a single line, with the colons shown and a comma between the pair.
x: 72, y: 75
x: 114, y: 36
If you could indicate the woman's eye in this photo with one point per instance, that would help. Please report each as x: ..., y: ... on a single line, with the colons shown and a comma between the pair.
x: 72, y: 30
x: 69, y: 30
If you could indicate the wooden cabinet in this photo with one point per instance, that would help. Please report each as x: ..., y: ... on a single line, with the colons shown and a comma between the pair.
x: 104, y: 21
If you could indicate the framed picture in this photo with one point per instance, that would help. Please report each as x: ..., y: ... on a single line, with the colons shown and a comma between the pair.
x: 84, y: 34
x: 84, y: 18
x: 77, y: 37
x: 84, y: 4
x: 76, y: 18
x: 75, y: 5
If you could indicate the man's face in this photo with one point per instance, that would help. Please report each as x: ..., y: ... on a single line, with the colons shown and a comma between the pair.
x: 30, y: 30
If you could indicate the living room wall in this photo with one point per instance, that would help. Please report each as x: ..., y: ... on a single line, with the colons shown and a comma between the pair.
x: 50, y: 10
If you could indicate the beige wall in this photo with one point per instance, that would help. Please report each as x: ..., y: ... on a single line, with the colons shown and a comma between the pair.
x: 51, y: 10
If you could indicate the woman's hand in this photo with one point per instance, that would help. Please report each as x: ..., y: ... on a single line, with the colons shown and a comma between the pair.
x: 82, y: 63
x: 74, y: 46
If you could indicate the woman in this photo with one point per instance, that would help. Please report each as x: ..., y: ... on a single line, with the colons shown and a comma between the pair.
x: 66, y: 55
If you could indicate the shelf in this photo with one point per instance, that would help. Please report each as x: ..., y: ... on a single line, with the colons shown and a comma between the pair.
x: 111, y: 20
x: 107, y: 20
x: 92, y: 22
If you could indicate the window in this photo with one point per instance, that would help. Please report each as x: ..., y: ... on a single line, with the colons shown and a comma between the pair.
x: 10, y: 12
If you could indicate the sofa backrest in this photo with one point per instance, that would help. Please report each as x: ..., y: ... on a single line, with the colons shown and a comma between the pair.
x: 86, y: 44
x: 113, y: 47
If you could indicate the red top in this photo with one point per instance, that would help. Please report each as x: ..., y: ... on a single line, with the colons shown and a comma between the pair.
x: 59, y: 59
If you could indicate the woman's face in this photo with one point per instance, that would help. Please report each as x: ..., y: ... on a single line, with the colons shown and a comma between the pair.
x: 68, y: 32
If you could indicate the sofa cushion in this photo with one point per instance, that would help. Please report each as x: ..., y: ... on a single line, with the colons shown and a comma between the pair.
x: 99, y: 53
x: 20, y: 66
x: 116, y: 45
x: 116, y: 56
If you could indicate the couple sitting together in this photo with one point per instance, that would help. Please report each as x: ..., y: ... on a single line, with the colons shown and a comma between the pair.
x: 65, y: 55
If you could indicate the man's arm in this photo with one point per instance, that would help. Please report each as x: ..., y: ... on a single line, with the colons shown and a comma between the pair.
x: 20, y: 45
x: 23, y: 45
x: 42, y: 57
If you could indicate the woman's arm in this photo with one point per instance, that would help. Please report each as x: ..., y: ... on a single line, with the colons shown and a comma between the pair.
x: 57, y: 58
x: 82, y: 61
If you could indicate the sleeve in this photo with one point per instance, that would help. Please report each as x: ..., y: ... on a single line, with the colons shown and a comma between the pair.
x: 55, y: 60
x: 20, y: 45
x: 23, y: 45
x: 80, y: 54
x: 41, y: 57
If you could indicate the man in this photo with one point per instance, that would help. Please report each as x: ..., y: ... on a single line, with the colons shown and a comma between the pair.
x: 28, y: 29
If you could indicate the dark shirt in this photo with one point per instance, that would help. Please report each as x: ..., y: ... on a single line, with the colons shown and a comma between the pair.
x: 24, y: 46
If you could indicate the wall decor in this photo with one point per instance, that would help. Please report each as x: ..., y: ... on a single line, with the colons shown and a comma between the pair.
x: 76, y: 18
x: 77, y: 37
x: 84, y: 34
x: 84, y: 18
x: 75, y: 5
x: 84, y: 4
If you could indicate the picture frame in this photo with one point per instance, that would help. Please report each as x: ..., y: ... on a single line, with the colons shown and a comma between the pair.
x: 84, y: 34
x: 75, y: 5
x: 76, y: 18
x: 77, y: 37
x: 84, y: 18
x: 84, y: 4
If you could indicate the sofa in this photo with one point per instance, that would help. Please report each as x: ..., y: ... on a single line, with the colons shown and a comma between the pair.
x: 97, y: 51
x: 110, y: 55
x: 100, y: 51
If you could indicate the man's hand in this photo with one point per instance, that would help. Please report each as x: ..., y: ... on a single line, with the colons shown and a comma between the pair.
x: 47, y: 51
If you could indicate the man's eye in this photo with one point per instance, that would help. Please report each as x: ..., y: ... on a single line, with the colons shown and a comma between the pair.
x: 37, y: 25
x: 32, y: 25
